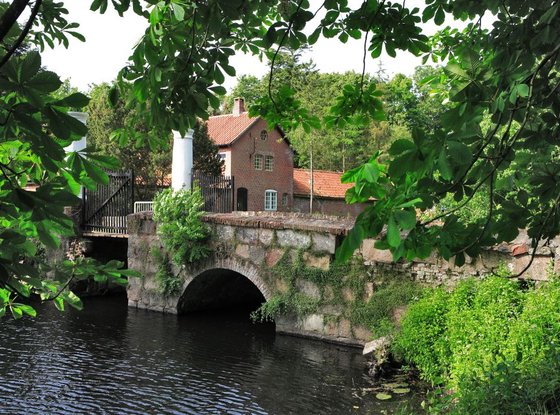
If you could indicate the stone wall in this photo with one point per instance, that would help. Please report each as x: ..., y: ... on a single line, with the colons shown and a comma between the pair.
x: 252, y: 244
x: 434, y: 270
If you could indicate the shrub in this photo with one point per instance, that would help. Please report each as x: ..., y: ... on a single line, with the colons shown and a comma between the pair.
x: 377, y: 313
x: 493, y: 344
x: 183, y: 233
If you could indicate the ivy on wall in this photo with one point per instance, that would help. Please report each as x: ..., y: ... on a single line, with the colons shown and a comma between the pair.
x: 183, y: 234
x: 342, y: 286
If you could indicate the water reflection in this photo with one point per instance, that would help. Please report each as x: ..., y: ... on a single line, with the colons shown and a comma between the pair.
x: 113, y: 360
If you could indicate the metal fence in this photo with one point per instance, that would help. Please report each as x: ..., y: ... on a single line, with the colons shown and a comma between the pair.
x: 217, y: 192
x: 106, y: 207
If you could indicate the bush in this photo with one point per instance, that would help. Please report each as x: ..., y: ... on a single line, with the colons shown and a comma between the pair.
x: 493, y: 344
x: 377, y: 313
x: 182, y: 232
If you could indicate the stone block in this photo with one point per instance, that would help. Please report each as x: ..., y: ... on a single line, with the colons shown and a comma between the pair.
x: 331, y: 328
x: 242, y: 250
x: 150, y: 284
x: 248, y: 235
x: 375, y: 345
x: 225, y: 232
x: 256, y: 254
x: 368, y: 290
x: 313, y: 322
x: 348, y: 295
x: 490, y: 260
x: 308, y: 288
x: 291, y: 238
x: 538, y: 271
x: 281, y: 286
x: 324, y: 243
x: 266, y: 236
x: 361, y: 333
x: 273, y: 256
x: 328, y: 293
x: 320, y: 262
x: 372, y: 254
x: 345, y: 328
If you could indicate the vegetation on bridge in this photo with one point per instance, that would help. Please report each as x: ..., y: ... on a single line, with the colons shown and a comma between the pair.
x: 183, y: 234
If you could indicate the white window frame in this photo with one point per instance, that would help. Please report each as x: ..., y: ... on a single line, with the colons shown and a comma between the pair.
x: 270, y: 200
x: 259, y: 165
x: 271, y: 159
x: 264, y: 135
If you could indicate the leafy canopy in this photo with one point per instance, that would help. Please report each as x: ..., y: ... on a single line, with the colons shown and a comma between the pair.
x: 506, y: 76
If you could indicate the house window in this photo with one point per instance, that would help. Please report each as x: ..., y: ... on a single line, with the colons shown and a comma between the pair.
x: 268, y: 163
x: 222, y: 156
x: 285, y: 199
x: 258, y: 162
x: 264, y: 135
x: 270, y: 200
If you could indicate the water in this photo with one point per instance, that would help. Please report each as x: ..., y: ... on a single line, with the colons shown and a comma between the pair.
x: 110, y: 359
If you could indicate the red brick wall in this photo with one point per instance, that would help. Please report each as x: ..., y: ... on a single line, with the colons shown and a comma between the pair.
x: 336, y: 207
x: 281, y: 178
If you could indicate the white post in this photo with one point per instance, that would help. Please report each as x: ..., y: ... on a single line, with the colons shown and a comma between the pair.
x: 182, y: 164
x: 80, y: 144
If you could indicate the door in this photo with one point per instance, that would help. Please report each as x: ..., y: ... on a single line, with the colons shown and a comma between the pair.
x: 242, y: 199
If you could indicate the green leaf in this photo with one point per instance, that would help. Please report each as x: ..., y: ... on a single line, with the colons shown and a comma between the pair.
x: 406, y: 219
x: 523, y: 90
x: 401, y: 146
x: 76, y: 100
x: 45, y: 81
x: 29, y: 66
x: 393, y: 233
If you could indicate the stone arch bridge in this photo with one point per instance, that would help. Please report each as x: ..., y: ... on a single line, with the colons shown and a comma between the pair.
x: 258, y: 257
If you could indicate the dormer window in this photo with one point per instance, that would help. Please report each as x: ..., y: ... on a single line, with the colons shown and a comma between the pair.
x: 264, y: 135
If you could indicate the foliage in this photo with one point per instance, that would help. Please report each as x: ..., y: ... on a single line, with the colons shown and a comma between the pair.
x: 340, y: 285
x: 183, y: 233
x: 289, y: 303
x: 491, y: 342
x: 150, y: 160
x: 206, y: 158
x: 343, y: 146
x: 35, y: 127
x: 378, y: 312
x: 508, y: 74
x: 168, y: 283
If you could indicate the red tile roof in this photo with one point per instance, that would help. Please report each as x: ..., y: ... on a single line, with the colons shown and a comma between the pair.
x: 225, y: 129
x: 325, y: 183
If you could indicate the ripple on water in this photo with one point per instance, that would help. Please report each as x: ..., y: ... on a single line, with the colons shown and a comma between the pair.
x: 112, y: 360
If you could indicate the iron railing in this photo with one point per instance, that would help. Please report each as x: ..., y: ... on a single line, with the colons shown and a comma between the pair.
x: 105, y: 208
x: 217, y: 192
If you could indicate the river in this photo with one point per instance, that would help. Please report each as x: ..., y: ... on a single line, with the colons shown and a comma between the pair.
x: 109, y: 359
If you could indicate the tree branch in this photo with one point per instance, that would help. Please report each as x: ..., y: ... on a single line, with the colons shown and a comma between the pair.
x: 272, y: 62
x: 23, y: 33
x: 10, y: 16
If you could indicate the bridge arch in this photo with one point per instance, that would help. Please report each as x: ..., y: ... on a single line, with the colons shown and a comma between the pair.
x: 222, y: 283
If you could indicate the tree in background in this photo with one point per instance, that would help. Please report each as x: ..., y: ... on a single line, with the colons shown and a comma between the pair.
x: 408, y: 105
x: 206, y: 156
x: 150, y: 161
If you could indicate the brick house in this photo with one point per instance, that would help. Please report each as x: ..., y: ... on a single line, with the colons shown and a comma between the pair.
x: 259, y: 158
x: 328, y: 193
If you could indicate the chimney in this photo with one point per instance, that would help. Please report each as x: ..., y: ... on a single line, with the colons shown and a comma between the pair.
x: 238, y: 106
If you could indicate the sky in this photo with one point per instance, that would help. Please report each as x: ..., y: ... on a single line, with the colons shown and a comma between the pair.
x: 110, y: 40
